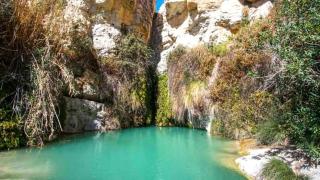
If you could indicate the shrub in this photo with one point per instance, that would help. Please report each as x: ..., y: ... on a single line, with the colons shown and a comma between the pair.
x: 280, y: 56
x: 296, y: 40
x: 254, y: 37
x: 164, y: 112
x: 132, y: 49
x: 31, y: 66
x: 129, y: 71
x: 271, y: 132
x: 188, y: 71
x: 277, y: 169
x: 239, y: 92
x: 194, y: 64
x: 238, y: 117
x: 10, y: 134
x: 220, y: 49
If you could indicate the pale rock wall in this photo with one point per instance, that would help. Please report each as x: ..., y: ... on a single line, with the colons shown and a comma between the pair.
x: 114, y: 17
x: 193, y: 22
x: 103, y: 21
x: 89, y: 30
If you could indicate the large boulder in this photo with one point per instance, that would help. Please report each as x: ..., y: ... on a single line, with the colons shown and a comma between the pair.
x: 81, y: 115
x: 84, y: 115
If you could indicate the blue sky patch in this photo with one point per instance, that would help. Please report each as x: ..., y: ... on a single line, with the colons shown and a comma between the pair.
x: 159, y: 3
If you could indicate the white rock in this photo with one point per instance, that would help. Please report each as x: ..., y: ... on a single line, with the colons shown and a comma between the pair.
x: 204, y: 27
x: 82, y: 115
x: 77, y: 3
x: 231, y: 11
x: 312, y: 172
x: 100, y: 1
x: 250, y: 164
x: 104, y: 37
x: 253, y: 163
x: 260, y: 12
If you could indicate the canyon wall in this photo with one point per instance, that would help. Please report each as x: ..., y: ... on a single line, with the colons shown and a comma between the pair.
x: 103, y: 21
x: 190, y: 23
x: 106, y: 80
x: 98, y: 97
x: 94, y: 28
x: 198, y: 24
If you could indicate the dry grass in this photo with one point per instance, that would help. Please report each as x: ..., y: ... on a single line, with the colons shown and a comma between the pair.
x: 30, y: 53
x: 128, y: 72
x: 243, y: 88
x: 188, y: 70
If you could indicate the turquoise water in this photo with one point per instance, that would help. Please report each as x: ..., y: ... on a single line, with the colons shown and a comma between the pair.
x: 135, y: 154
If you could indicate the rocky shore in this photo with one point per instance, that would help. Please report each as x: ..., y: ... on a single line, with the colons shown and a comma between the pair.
x: 253, y: 163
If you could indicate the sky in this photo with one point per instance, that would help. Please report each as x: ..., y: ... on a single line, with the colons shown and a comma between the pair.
x: 159, y: 3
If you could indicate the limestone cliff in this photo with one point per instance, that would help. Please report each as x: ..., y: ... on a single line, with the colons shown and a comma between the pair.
x: 112, y: 91
x: 192, y: 73
x: 193, y: 22
x: 102, y: 98
x: 103, y: 21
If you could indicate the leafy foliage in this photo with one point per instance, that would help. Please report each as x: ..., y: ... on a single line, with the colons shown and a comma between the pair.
x: 195, y: 64
x: 164, y: 111
x: 10, y: 134
x: 10, y: 130
x: 243, y: 101
x: 271, y: 132
x: 31, y: 68
x: 296, y: 41
x: 291, y: 76
x: 238, y: 117
x: 220, y: 49
x: 277, y: 169
x: 131, y: 65
x: 188, y: 70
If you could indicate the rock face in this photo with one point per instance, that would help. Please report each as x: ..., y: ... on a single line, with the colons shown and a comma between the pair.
x: 103, y: 21
x: 84, y: 115
x: 114, y: 17
x: 90, y: 31
x: 193, y: 22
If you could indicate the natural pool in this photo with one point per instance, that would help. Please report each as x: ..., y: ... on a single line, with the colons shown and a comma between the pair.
x: 140, y: 153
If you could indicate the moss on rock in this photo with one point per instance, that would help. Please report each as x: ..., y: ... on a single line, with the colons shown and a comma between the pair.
x: 277, y: 169
x: 127, y: 77
x: 11, y: 135
x: 164, y: 112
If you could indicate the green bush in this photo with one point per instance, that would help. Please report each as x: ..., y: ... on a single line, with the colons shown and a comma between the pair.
x: 164, y: 112
x: 292, y: 38
x: 270, y: 132
x: 277, y: 169
x: 130, y: 71
x: 132, y: 49
x: 220, y: 49
x: 10, y: 134
x: 238, y: 116
x: 296, y: 41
